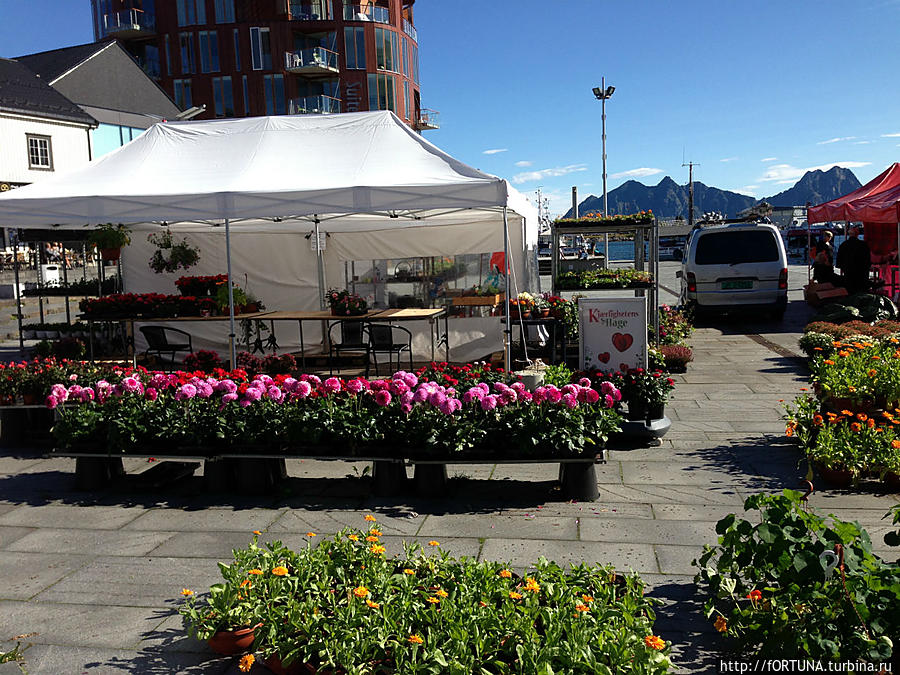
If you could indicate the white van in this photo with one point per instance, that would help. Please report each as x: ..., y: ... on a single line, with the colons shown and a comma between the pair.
x: 738, y: 265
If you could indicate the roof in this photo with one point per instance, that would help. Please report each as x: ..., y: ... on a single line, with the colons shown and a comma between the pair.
x: 23, y: 92
x: 50, y: 65
x: 103, y: 76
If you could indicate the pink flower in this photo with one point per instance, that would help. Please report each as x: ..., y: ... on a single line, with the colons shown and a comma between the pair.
x: 332, y: 385
x: 312, y: 379
x: 252, y: 394
x: 411, y: 379
x: 229, y: 397
x: 488, y: 402
x: 570, y: 389
x: 204, y: 389
x: 421, y: 394
x: 405, y: 408
x: 275, y: 394
x: 570, y: 401
x: 131, y: 385
x: 355, y: 386
x: 553, y: 394
x: 607, y: 387
x: 499, y: 387
x: 399, y: 387
x: 447, y: 406
x: 508, y: 397
x: 151, y: 394
x: 383, y: 398
x: 51, y: 401
x: 87, y: 394
x: 73, y: 377
x: 539, y: 395
x: 59, y: 392
x: 591, y: 395
x: 227, y: 386
x: 584, y: 382
x: 608, y: 401
x: 303, y: 389
x: 437, y: 399
x: 407, y: 398
x: 187, y: 392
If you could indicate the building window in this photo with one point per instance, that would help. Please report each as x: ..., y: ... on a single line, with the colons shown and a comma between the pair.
x: 168, y: 56
x: 355, y: 47
x: 406, y: 99
x: 40, y: 155
x: 186, y: 41
x: 224, y: 11
x: 260, y: 49
x: 274, y: 91
x: 191, y: 12
x: 387, y: 47
x: 415, y: 63
x: 209, y: 51
x: 223, y: 97
x: 237, y: 49
x: 246, y: 97
x: 183, y: 94
x: 381, y: 93
x: 404, y: 56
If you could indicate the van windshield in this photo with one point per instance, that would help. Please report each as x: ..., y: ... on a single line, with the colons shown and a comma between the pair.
x: 730, y: 248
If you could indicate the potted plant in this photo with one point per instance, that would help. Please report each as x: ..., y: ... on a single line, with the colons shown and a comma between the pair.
x: 344, y: 303
x: 646, y: 393
x: 109, y: 240
x: 171, y: 255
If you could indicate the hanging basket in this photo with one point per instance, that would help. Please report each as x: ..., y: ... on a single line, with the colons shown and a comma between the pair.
x: 110, y: 254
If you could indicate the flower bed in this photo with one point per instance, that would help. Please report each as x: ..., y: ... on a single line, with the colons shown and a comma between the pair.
x: 201, y: 286
x: 147, y: 305
x: 599, y: 279
x: 344, y: 606
x: 400, y: 417
x: 820, y: 336
x: 641, y: 218
x: 798, y: 585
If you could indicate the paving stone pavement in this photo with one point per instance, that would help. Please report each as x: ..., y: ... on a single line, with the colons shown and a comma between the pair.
x: 97, y: 577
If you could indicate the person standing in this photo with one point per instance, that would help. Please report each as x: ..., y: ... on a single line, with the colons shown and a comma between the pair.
x: 855, y: 261
x: 823, y: 259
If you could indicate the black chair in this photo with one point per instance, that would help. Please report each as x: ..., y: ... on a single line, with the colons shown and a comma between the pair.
x: 381, y: 341
x: 159, y: 342
x: 353, y: 339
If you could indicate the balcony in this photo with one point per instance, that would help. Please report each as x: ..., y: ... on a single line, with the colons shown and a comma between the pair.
x: 310, y: 10
x: 314, y: 105
x: 315, y: 61
x: 427, y: 120
x: 367, y: 13
x: 410, y: 30
x: 129, y: 23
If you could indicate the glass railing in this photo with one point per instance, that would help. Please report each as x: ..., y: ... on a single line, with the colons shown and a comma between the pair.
x: 410, y: 30
x: 314, y: 105
x: 306, y: 58
x: 367, y: 13
x: 129, y: 19
x: 310, y: 11
x: 428, y: 119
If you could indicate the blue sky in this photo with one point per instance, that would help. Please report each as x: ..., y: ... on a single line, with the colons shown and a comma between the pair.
x: 755, y: 93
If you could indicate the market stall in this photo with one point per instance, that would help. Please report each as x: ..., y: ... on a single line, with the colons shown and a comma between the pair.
x: 323, y: 190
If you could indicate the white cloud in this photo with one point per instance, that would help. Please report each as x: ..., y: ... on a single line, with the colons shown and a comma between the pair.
x: 748, y: 190
x: 768, y: 159
x: 524, y: 163
x: 890, y: 135
x: 493, y: 151
x: 836, y: 140
x: 544, y: 173
x: 785, y: 173
x: 862, y: 142
x: 637, y: 173
x: 728, y: 159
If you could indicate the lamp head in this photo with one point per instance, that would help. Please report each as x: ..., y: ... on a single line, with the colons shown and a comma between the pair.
x: 609, y: 91
x: 598, y: 92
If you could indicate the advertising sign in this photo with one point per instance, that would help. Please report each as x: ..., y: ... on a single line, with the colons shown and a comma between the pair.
x: 613, y: 333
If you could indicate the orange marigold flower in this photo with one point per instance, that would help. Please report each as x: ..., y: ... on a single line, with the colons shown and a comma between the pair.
x: 870, y: 423
x: 433, y: 601
x: 375, y: 531
x: 817, y: 349
x: 370, y: 518
x: 856, y: 426
x: 654, y: 642
x: 280, y: 571
x: 310, y: 534
x: 415, y: 639
x: 755, y: 595
x: 876, y: 358
x: 256, y: 532
x: 532, y: 585
x: 848, y: 413
x: 441, y: 593
x: 789, y: 431
x: 873, y: 372
x: 246, y: 582
x: 246, y: 663
x: 804, y: 389
x: 505, y: 574
x: 352, y: 537
x: 482, y: 603
x: 373, y: 605
x: 817, y: 420
x: 829, y: 362
x: 895, y: 444
x: 434, y: 543
x: 370, y: 538
x: 409, y: 572
x: 254, y: 571
x: 187, y: 592
x: 361, y: 591
x: 851, y: 388
x: 377, y: 549
x: 587, y: 598
x: 582, y: 608
x: 721, y: 624
x: 515, y: 596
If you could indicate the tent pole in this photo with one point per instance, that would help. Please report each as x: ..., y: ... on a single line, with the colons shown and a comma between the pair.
x: 232, y: 350
x: 320, y: 271
x: 508, y: 326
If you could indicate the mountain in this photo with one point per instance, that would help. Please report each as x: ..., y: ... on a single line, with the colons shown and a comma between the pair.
x: 817, y: 187
x: 670, y: 200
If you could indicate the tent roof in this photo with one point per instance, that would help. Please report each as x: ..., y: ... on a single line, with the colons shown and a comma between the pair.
x: 259, y: 167
x: 874, y: 202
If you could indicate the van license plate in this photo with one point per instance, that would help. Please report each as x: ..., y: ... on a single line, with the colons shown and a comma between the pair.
x: 741, y: 283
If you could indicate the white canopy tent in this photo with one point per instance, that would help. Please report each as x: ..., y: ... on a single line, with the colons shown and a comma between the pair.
x: 374, y: 186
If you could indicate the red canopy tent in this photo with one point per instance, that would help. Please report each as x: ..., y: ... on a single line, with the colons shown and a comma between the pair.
x: 877, y: 205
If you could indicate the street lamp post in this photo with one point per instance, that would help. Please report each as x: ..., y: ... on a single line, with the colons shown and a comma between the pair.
x: 602, y: 93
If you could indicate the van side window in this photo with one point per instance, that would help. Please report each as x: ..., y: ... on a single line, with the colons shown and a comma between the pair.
x: 730, y: 248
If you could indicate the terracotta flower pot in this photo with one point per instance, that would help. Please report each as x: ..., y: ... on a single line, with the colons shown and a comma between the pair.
x: 29, y: 399
x: 229, y: 642
x: 892, y: 481
x: 835, y: 477
x: 110, y: 253
x: 274, y: 664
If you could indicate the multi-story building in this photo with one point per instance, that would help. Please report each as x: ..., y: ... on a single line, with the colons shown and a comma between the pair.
x: 273, y: 57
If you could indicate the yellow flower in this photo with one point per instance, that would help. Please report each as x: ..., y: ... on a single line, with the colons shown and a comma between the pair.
x: 409, y: 572
x: 246, y: 663
x: 377, y: 549
x: 375, y: 531
x: 721, y: 624
x: 280, y: 571
x: 187, y: 592
x: 532, y: 585
x: 654, y: 642
x: 371, y: 538
x: 255, y: 572
x: 352, y: 537
x: 515, y: 596
x: 373, y: 605
x: 588, y: 598
x: 433, y: 601
x: 505, y: 574
x: 582, y: 608
x: 370, y: 518
x: 310, y: 534
x: 415, y: 639
x: 441, y: 593
x: 360, y: 591
x: 434, y: 543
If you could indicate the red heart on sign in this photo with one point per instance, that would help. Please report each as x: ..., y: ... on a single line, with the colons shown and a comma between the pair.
x: 604, y: 357
x: 622, y: 341
x: 624, y: 367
